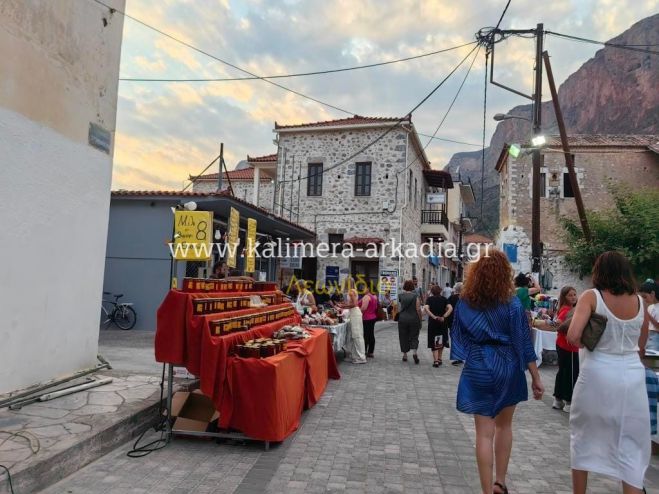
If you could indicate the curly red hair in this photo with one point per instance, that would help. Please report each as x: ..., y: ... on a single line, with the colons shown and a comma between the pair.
x: 489, y: 281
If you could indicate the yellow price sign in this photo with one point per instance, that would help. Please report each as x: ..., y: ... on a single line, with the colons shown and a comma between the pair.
x: 250, y: 261
x: 232, y: 237
x: 192, y: 235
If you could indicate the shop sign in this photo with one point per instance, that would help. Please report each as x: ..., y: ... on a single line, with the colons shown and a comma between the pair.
x: 436, y: 198
x: 250, y: 264
x: 232, y: 237
x: 192, y: 235
x: 331, y: 275
x: 389, y: 283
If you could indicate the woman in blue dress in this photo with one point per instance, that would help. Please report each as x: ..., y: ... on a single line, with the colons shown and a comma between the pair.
x: 491, y: 334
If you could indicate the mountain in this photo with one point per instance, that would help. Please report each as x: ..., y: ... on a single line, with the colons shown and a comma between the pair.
x: 615, y: 92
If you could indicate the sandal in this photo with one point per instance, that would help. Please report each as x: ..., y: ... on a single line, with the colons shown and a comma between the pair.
x: 439, y: 362
x: 416, y: 358
x: 501, y: 486
x: 435, y: 363
x: 404, y: 358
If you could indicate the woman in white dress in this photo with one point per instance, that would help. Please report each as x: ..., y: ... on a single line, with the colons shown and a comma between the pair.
x: 356, y: 325
x: 610, y: 417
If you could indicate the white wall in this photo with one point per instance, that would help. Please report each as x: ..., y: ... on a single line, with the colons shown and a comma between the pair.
x: 59, y: 74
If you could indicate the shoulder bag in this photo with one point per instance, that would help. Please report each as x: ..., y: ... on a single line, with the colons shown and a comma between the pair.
x: 405, y: 308
x: 593, y: 331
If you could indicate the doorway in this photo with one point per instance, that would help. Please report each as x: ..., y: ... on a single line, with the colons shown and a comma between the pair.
x: 369, y: 271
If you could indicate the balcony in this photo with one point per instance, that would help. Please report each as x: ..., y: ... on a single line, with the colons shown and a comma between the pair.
x: 434, y: 223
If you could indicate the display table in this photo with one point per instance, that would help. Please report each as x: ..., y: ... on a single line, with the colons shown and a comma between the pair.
x: 294, y: 379
x: 340, y: 334
x: 543, y: 340
x: 264, y: 398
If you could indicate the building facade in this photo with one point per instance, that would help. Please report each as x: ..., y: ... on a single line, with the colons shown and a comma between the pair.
x: 58, y: 102
x: 599, y: 159
x: 364, y: 182
x: 253, y: 183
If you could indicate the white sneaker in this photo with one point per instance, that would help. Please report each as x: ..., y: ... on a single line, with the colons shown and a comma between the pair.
x: 566, y: 408
x: 558, y: 404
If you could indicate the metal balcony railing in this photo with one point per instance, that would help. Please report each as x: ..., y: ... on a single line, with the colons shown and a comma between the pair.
x: 433, y: 217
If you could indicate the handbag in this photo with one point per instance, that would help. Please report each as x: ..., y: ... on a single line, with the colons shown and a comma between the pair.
x: 592, y: 332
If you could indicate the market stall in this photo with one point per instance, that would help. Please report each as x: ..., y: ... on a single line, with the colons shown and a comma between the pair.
x: 202, y: 326
x: 336, y: 322
x: 545, y: 309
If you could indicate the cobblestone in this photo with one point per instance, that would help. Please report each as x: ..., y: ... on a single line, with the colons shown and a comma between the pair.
x: 385, y: 427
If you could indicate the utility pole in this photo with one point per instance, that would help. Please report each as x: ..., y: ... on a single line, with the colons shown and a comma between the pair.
x: 219, y: 175
x: 569, y: 157
x: 537, y: 157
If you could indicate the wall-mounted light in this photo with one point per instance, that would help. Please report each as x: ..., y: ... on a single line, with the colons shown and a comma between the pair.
x: 539, y: 140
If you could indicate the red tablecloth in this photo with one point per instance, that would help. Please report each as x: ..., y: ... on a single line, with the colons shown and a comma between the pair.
x: 264, y: 398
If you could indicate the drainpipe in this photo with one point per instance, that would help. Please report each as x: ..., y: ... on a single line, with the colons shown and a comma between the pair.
x: 407, y: 175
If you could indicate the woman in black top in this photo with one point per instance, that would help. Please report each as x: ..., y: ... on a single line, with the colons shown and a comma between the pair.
x: 438, y: 309
x: 453, y: 300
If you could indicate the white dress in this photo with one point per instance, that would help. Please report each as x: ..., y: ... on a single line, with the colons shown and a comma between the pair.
x: 357, y: 332
x: 610, y: 414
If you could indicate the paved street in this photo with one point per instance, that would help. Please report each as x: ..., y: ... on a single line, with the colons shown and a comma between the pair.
x: 387, y: 426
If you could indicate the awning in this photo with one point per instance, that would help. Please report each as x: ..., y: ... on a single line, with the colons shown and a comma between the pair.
x: 438, y: 178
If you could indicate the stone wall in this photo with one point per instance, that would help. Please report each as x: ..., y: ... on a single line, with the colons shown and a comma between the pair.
x: 390, y: 212
x: 636, y: 167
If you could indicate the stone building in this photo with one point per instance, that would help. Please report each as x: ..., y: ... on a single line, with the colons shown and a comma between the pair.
x: 253, y: 182
x: 365, y: 182
x: 628, y: 159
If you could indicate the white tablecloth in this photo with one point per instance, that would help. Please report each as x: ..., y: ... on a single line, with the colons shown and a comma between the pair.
x: 543, y: 340
x: 341, y: 336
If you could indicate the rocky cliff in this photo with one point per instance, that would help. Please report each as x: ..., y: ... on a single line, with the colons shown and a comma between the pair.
x: 615, y: 92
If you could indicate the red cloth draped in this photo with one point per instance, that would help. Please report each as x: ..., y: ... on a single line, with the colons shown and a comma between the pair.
x: 263, y: 398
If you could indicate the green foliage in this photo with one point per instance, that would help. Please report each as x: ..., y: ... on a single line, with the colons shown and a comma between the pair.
x: 630, y: 227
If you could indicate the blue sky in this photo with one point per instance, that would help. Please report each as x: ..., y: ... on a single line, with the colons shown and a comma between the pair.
x: 167, y: 131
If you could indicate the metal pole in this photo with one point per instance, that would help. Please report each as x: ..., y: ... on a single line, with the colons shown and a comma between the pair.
x: 219, y: 175
x: 569, y: 157
x: 537, y: 157
x: 290, y: 202
x: 170, y: 386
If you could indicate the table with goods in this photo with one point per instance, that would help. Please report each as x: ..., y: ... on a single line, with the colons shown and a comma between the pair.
x: 545, y: 308
x: 336, y: 322
x: 255, y: 362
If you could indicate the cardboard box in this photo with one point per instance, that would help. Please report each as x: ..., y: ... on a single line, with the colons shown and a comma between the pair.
x: 193, y: 412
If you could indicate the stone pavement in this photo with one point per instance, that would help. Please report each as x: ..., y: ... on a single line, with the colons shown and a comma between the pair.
x: 387, y: 426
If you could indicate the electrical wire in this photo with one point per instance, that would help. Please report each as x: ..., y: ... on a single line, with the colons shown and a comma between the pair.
x: 202, y: 172
x: 395, y: 125
x: 487, y: 54
x: 35, y: 447
x: 300, y: 74
x: 449, y: 140
x: 605, y: 43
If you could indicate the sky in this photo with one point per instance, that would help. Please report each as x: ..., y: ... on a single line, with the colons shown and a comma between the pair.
x: 167, y: 131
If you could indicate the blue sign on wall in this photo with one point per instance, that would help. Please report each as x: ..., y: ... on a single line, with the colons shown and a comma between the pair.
x: 511, y: 252
x: 331, y: 275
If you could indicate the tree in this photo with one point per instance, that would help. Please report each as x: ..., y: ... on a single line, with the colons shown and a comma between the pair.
x: 630, y: 227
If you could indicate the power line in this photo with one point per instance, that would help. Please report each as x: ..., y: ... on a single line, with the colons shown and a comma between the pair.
x: 300, y: 74
x: 604, y: 43
x: 393, y: 126
x: 449, y: 140
x: 203, y: 52
x: 203, y: 171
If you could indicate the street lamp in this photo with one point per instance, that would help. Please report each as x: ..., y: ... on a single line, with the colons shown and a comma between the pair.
x: 500, y: 116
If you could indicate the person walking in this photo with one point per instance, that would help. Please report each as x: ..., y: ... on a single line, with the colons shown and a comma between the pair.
x: 453, y: 301
x: 446, y: 291
x: 369, y: 309
x: 418, y: 290
x: 491, y: 335
x: 409, y: 320
x: 356, y: 325
x: 649, y: 292
x: 438, y: 309
x: 568, y: 355
x: 610, y: 415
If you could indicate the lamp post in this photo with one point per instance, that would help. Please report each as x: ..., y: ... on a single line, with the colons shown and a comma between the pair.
x: 500, y: 116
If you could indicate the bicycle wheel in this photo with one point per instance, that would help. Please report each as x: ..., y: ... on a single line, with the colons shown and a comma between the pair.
x: 124, y: 317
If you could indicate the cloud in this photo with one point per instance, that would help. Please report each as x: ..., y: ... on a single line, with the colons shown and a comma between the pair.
x: 167, y: 131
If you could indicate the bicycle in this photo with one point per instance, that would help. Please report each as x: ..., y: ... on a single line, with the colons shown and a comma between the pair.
x: 121, y: 314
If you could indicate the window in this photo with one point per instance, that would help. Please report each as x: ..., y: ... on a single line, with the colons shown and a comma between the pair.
x: 409, y: 188
x: 335, y: 241
x: 416, y: 193
x: 567, y: 186
x: 363, y: 179
x: 315, y: 179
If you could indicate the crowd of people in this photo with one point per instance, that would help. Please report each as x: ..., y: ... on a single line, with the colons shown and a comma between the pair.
x: 486, y: 323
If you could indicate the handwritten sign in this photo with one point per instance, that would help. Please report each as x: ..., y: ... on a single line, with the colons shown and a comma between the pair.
x: 192, y: 235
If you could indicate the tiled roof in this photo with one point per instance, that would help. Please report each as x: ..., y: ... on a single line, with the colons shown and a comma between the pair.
x: 246, y: 174
x: 355, y: 120
x: 362, y: 240
x: 225, y: 193
x: 477, y: 239
x: 269, y: 158
x: 604, y: 140
x: 438, y: 178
